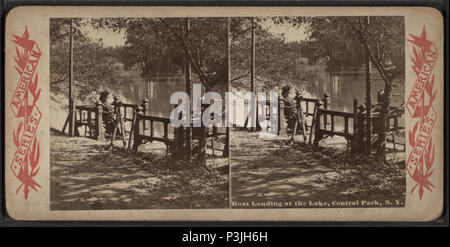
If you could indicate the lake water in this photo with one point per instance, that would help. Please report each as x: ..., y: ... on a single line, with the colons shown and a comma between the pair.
x: 346, y: 86
x: 342, y: 87
x: 158, y: 91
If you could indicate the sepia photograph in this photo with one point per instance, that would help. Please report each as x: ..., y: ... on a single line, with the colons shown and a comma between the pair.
x: 113, y: 145
x: 340, y: 140
x: 335, y: 137
x: 224, y: 113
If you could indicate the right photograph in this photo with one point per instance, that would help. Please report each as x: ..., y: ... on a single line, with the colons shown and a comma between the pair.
x: 318, y: 113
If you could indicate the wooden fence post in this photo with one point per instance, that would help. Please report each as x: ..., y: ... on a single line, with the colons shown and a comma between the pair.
x: 394, y: 130
x: 200, y: 154
x: 146, y: 111
x: 137, y: 129
x: 281, y: 118
x: 178, y: 147
x: 146, y: 106
x: 226, y: 149
x: 317, y: 132
x: 133, y: 123
x: 326, y: 101
x: 355, y: 127
x: 361, y: 142
x: 99, y: 133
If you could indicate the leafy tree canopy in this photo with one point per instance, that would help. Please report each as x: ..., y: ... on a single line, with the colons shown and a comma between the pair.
x: 94, y: 66
x: 346, y: 38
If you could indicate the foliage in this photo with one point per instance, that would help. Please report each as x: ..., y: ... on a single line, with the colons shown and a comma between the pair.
x: 94, y: 65
x: 162, y: 45
x: 148, y: 45
x: 276, y: 61
x: 343, y: 40
x: 380, y: 37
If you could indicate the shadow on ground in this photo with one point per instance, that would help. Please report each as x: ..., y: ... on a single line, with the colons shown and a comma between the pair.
x: 87, y: 174
x: 272, y: 171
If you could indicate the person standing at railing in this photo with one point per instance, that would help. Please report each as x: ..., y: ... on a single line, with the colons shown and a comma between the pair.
x: 108, y: 114
x: 380, y: 123
x: 293, y: 112
x: 288, y: 107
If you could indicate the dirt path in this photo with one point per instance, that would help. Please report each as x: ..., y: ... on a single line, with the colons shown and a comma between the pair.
x: 85, y: 174
x: 266, y: 173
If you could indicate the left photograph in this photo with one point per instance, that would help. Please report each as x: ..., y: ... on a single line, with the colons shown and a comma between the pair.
x: 115, y: 86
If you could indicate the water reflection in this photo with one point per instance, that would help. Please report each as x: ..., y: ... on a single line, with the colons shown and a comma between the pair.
x: 158, y: 91
x: 344, y: 87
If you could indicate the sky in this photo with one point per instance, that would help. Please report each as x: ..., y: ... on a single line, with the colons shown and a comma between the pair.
x: 112, y: 39
x: 290, y: 33
x: 108, y: 37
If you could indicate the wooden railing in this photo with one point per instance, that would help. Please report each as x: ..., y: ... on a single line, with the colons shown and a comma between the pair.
x: 393, y: 127
x: 142, y: 127
x: 323, y: 129
x: 323, y: 124
x: 91, y: 117
x: 308, y: 105
x: 211, y: 134
x: 353, y: 129
x: 128, y: 111
x: 144, y: 130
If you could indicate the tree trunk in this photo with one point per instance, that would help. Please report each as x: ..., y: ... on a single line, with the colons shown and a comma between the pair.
x: 71, y: 98
x: 188, y: 138
x: 381, y: 149
x: 199, y: 146
x: 368, y: 145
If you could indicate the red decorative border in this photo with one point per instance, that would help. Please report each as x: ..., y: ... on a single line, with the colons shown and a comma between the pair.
x: 23, y: 104
x: 422, y: 112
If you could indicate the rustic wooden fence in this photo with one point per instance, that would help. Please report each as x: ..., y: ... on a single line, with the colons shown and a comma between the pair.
x: 91, y: 118
x: 143, y: 130
x: 324, y: 125
x: 142, y: 126
x: 393, y: 128
x: 354, y: 127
